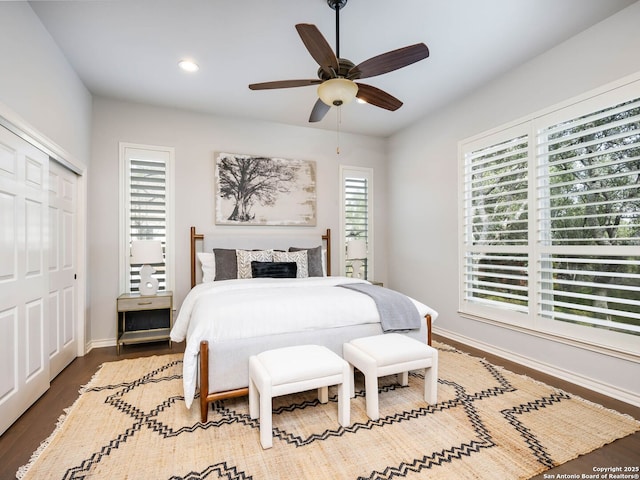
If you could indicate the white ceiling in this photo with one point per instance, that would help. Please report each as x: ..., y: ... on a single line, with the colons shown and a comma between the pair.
x: 129, y: 49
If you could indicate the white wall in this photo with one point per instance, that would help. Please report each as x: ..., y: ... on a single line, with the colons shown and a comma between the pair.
x: 42, y: 95
x: 423, y: 188
x: 38, y: 86
x: 196, y: 138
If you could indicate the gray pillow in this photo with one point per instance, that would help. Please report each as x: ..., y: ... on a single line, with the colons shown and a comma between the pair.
x: 226, y: 264
x: 314, y: 258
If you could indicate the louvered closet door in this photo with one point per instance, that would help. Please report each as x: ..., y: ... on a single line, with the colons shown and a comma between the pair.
x: 24, y: 290
x: 63, y: 337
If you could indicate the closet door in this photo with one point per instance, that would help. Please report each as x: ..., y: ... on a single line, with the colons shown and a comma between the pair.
x: 63, y: 338
x: 24, y: 269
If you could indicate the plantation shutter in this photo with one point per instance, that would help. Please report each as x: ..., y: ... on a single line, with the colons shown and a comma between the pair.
x: 495, y: 224
x: 146, y: 211
x: 589, y: 211
x: 356, y: 208
x: 356, y: 212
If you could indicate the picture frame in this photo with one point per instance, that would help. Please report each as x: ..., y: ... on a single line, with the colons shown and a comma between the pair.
x: 261, y: 190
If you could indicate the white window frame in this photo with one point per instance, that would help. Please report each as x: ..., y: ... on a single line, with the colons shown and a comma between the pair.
x: 125, y: 238
x: 613, y: 343
x: 364, y: 173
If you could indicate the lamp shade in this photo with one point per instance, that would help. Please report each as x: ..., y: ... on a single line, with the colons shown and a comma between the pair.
x: 356, y: 249
x: 337, y: 91
x: 144, y: 252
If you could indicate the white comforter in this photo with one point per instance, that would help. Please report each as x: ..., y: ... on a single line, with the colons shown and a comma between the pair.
x: 235, y: 309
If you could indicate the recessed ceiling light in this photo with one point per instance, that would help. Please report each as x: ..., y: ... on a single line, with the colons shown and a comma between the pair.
x: 188, y: 66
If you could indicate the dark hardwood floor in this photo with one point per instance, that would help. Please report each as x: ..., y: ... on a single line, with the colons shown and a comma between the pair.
x: 24, y: 436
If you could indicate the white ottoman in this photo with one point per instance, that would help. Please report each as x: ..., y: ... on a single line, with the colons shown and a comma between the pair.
x: 295, y: 369
x: 387, y: 354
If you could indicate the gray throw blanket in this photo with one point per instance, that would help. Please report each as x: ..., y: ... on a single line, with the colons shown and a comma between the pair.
x: 397, y: 311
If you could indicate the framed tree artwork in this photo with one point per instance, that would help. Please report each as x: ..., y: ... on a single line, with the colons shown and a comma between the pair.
x: 258, y: 190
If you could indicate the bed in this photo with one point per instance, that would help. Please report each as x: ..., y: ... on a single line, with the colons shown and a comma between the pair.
x: 238, y: 309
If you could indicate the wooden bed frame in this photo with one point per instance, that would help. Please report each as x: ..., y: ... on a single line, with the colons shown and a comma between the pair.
x: 207, y: 398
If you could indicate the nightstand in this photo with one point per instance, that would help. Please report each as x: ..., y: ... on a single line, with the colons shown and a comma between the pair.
x: 373, y: 282
x: 144, y: 318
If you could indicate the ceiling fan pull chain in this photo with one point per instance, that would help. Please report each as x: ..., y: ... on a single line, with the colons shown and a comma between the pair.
x: 338, y: 121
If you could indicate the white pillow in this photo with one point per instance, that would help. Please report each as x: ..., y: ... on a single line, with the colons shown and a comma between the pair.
x: 245, y: 257
x: 208, y: 263
x: 300, y: 257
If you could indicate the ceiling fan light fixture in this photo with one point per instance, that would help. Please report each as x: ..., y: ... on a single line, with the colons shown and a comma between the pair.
x: 337, y: 91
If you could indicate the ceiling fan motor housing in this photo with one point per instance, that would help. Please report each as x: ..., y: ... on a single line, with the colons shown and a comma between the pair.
x: 337, y: 89
x: 344, y: 66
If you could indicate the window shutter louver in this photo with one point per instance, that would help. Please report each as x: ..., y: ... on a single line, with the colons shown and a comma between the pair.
x: 146, y: 203
x: 496, y: 225
x: 589, y: 211
x: 356, y: 214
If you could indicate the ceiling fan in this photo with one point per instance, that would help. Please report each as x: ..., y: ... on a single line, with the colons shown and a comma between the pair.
x: 336, y: 76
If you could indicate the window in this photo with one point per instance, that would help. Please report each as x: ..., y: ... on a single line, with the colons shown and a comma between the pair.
x: 497, y: 225
x: 550, y: 222
x: 146, y: 211
x: 357, y: 201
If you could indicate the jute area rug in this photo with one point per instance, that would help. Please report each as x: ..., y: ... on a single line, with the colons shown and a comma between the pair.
x: 131, y: 422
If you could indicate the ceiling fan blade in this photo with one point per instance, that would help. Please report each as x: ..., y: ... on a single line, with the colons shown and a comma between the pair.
x: 284, y: 84
x: 390, y: 61
x: 318, y: 47
x: 378, y: 97
x: 320, y: 109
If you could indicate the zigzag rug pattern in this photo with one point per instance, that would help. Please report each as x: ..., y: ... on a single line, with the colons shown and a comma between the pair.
x: 131, y: 422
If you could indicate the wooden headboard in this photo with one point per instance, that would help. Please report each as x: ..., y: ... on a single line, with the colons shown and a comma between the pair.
x: 199, y: 237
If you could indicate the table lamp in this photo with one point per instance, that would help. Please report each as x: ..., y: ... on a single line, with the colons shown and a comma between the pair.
x: 145, y: 252
x: 357, y: 252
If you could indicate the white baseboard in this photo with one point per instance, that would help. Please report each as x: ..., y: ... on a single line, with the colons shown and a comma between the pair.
x: 100, y: 344
x: 580, y: 380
